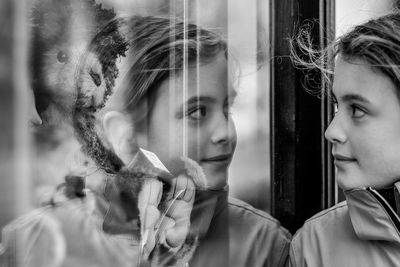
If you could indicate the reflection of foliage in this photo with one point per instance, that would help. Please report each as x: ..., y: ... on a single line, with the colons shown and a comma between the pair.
x: 80, y: 29
x: 51, y: 18
x: 92, y: 144
x: 64, y: 27
x: 108, y: 44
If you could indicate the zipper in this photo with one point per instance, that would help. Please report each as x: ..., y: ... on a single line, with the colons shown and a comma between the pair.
x: 386, y: 206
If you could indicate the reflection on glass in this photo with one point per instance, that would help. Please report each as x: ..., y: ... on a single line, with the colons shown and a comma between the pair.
x: 95, y: 188
x: 248, y: 42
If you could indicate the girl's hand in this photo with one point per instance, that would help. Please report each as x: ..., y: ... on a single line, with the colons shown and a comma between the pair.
x: 175, y: 223
x: 169, y: 225
x: 164, y: 223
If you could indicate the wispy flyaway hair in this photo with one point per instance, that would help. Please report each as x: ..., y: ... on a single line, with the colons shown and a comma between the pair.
x: 376, y: 42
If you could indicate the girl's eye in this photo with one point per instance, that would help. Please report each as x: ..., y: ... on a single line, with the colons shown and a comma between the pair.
x: 227, y: 110
x: 335, y: 104
x: 357, y: 112
x: 335, y: 108
x: 62, y: 57
x: 198, y: 113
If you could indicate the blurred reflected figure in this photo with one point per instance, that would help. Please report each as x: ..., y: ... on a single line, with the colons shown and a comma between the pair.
x: 175, y: 91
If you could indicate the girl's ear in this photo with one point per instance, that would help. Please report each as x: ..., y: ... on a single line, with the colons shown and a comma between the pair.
x: 120, y: 133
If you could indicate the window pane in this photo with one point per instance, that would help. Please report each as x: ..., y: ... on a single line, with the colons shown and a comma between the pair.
x: 38, y: 159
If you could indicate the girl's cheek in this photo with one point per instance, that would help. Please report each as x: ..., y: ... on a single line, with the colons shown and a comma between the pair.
x: 195, y: 149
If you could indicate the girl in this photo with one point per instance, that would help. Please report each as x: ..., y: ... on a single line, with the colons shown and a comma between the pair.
x: 175, y: 90
x: 365, y: 138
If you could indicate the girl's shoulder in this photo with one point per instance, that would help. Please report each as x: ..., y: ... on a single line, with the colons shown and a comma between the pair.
x: 244, y: 211
x: 256, y: 236
x: 328, y: 226
x: 331, y: 217
x: 242, y: 214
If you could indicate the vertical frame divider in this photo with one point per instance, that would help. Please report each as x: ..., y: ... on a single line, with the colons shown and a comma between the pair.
x: 301, y: 172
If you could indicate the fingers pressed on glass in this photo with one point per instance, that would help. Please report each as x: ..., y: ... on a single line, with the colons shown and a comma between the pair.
x: 182, y: 188
x: 150, y: 193
x: 180, y: 214
x: 148, y: 201
x: 175, y: 225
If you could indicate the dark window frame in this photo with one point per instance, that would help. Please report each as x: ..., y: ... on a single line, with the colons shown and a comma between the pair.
x: 302, y: 173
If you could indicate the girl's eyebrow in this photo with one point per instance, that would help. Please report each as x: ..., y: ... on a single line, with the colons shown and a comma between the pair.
x: 197, y: 99
x: 352, y: 97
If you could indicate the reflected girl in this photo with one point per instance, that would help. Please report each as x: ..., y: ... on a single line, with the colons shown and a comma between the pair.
x: 176, y: 91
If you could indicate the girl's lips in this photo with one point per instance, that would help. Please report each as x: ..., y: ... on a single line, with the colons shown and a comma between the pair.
x: 343, y: 158
x: 219, y: 158
x: 340, y: 159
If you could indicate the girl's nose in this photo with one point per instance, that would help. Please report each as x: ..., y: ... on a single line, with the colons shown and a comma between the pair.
x: 224, y: 133
x: 335, y: 133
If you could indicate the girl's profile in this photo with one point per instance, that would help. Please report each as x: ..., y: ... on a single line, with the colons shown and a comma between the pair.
x: 364, y: 133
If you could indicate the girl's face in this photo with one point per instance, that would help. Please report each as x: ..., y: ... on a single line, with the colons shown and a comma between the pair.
x: 195, y: 121
x: 365, y: 132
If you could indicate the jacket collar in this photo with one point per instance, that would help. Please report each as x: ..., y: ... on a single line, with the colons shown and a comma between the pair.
x: 208, y: 204
x: 372, y: 216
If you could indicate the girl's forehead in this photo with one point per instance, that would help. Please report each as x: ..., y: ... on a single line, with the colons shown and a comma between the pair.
x: 357, y: 79
x: 200, y: 79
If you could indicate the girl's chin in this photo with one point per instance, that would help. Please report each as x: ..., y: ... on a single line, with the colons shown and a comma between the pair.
x: 216, y: 180
x: 349, y: 183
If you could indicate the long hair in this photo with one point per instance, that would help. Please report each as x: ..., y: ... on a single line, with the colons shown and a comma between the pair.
x: 158, y: 48
x: 376, y: 42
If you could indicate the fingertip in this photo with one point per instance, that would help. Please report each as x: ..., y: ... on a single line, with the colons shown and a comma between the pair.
x: 176, y: 236
x: 183, y: 188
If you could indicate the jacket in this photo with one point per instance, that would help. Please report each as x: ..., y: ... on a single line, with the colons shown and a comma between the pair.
x: 70, y: 232
x: 362, y: 231
x: 240, y: 236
